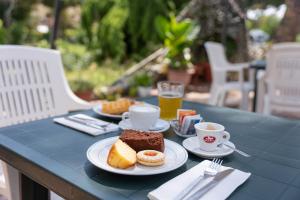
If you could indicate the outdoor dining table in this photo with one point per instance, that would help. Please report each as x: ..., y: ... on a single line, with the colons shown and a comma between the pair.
x: 53, y: 157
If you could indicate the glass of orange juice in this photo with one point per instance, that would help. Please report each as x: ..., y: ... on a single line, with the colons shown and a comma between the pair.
x: 170, y: 96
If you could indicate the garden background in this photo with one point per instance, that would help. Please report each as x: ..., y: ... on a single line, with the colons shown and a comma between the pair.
x: 100, y: 40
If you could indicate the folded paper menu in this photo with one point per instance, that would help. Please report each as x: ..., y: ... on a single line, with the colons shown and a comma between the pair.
x: 71, y: 121
x: 171, y: 190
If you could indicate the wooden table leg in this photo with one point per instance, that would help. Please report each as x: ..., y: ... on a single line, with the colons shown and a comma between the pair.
x: 30, y: 190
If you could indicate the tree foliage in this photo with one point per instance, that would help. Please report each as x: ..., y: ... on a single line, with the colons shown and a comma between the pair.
x: 140, y: 22
x: 118, y: 28
x: 103, y: 23
x: 261, y: 4
x: 269, y: 24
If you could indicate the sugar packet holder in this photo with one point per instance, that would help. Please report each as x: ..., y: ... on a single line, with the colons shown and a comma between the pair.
x: 187, y: 127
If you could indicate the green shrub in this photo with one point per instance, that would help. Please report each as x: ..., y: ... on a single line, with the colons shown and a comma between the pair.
x: 103, y: 23
x: 298, y: 38
x: 2, y: 33
x: 80, y: 85
x: 110, y: 32
x: 75, y: 56
x: 142, y: 79
x: 16, y: 33
x: 269, y: 23
x: 177, y: 38
x: 141, y: 28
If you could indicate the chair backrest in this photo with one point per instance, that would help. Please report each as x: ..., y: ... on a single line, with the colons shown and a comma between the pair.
x: 33, y: 85
x: 217, y: 59
x: 216, y: 54
x: 283, y: 75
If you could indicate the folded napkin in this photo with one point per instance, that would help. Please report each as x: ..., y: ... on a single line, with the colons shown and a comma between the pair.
x: 173, y: 189
x: 85, y: 128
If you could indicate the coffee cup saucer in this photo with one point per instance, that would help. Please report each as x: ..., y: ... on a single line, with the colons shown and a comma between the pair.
x: 160, y: 126
x: 192, y: 145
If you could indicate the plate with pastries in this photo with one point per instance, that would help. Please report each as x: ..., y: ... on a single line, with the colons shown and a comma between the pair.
x: 137, y: 153
x: 114, y: 109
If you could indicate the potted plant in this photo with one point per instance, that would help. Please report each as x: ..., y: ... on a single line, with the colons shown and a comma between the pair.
x: 82, y: 88
x: 177, y: 38
x: 143, y: 82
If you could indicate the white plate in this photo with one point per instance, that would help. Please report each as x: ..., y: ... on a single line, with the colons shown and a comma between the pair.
x: 175, y: 157
x: 98, y: 109
x: 165, y: 125
x: 192, y: 145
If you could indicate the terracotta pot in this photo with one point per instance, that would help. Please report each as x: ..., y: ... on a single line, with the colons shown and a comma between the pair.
x: 182, y: 76
x: 202, y: 73
x: 86, y: 95
x: 207, y: 72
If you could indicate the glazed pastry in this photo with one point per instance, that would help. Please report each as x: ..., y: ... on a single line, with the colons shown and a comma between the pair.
x: 121, y: 155
x: 150, y: 158
x: 116, y: 107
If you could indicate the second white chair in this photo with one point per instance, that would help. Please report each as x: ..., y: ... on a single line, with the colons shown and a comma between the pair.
x: 33, y: 86
x: 220, y: 67
x: 279, y: 87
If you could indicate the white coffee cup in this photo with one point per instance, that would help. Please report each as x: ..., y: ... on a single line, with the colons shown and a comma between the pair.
x: 142, y: 117
x: 210, y: 135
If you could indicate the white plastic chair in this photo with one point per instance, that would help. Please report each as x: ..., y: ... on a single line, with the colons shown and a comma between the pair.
x: 279, y: 88
x: 220, y: 66
x: 33, y: 86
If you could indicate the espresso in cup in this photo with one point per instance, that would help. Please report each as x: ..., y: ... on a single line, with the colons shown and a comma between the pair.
x: 142, y: 117
x: 210, y: 135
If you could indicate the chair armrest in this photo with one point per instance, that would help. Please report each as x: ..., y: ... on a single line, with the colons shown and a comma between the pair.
x: 240, y: 65
x: 235, y: 67
x: 229, y: 69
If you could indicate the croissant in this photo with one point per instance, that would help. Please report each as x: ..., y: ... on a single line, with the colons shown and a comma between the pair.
x: 116, y: 107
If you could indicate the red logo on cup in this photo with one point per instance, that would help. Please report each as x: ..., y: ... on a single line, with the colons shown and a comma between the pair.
x: 209, y: 139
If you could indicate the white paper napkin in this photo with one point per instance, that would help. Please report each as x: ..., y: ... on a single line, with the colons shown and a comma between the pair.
x: 84, y: 128
x: 172, y: 189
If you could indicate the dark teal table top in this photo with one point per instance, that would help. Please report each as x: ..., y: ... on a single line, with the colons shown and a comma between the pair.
x: 274, y: 144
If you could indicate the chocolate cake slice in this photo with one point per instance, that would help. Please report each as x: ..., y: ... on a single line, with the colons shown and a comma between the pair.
x: 140, y: 140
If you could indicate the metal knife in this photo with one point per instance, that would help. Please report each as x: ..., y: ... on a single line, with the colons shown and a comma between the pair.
x: 94, y: 121
x: 84, y: 123
x: 211, y: 184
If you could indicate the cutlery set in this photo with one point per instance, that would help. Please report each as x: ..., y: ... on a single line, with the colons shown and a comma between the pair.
x: 212, y: 175
x: 88, y: 122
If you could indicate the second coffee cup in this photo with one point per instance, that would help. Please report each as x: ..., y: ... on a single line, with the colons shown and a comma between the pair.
x: 142, y: 117
x: 210, y: 135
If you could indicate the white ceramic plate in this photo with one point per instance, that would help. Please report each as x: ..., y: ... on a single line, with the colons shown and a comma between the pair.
x: 175, y: 157
x: 160, y: 126
x: 192, y: 145
x: 98, y: 109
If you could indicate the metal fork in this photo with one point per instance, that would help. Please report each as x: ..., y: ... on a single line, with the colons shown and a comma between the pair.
x: 210, y: 171
x: 214, y: 167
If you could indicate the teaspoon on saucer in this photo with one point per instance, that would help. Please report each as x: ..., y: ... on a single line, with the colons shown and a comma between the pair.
x: 236, y: 150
